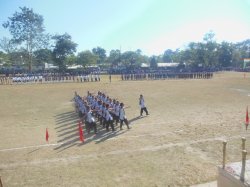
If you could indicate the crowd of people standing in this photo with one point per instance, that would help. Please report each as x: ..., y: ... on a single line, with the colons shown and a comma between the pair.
x: 21, y: 79
x: 167, y: 75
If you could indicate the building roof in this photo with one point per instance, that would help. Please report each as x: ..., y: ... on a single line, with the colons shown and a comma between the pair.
x: 171, y: 64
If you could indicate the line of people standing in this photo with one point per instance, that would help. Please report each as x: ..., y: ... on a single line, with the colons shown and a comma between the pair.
x: 50, y: 79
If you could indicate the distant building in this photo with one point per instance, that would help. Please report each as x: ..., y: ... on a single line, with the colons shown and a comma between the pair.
x: 159, y: 65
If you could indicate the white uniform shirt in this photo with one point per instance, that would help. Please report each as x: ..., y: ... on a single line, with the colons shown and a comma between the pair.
x: 108, y: 116
x: 96, y: 104
x: 89, y: 117
x: 122, y: 114
x: 104, y: 110
x: 142, y: 103
x: 96, y: 76
x: 100, y: 110
x: 117, y: 109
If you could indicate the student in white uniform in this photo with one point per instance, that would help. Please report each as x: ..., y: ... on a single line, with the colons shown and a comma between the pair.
x: 19, y: 80
x: 123, y: 117
x: 23, y: 80
x: 91, y: 77
x: 109, y: 118
x: 99, y: 113
x: 143, y: 105
x: 90, y: 121
x: 103, y: 116
x: 95, y: 78
x: 116, y: 111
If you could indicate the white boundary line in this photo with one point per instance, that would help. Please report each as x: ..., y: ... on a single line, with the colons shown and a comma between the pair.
x: 115, y: 138
x: 48, y: 145
x: 35, y: 146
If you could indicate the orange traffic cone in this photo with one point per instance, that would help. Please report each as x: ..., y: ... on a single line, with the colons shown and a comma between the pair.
x: 47, y: 135
x: 80, y: 132
x: 247, y: 118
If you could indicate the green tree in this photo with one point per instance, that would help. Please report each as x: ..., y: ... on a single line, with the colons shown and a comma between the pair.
x: 244, y: 52
x: 153, y: 62
x: 225, y: 51
x: 131, y: 59
x: 64, y: 47
x: 237, y: 59
x: 167, y: 55
x: 27, y: 27
x: 176, y: 56
x: 114, y: 57
x: 85, y: 58
x: 71, y: 60
x: 43, y: 56
x: 7, y: 45
x: 138, y: 51
x: 4, y: 60
x: 101, y: 53
x: 209, y: 37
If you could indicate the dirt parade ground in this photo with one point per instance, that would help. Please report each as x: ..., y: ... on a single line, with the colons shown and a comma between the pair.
x: 178, y: 144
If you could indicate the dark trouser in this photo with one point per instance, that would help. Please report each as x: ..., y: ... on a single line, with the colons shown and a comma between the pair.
x: 99, y: 79
x: 110, y: 122
x: 126, y: 122
x: 104, y: 122
x: 100, y: 119
x: 145, y: 109
x: 80, y: 114
x: 90, y: 126
x: 116, y: 118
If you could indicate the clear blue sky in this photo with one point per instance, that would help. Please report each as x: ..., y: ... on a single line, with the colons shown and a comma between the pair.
x: 150, y: 25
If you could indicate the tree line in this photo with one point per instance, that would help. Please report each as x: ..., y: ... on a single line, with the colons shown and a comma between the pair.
x: 30, y: 44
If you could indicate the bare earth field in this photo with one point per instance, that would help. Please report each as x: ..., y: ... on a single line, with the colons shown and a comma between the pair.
x: 180, y: 143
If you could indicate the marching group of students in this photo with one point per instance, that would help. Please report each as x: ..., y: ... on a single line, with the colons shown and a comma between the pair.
x: 105, y: 109
x: 167, y: 75
x: 50, y: 79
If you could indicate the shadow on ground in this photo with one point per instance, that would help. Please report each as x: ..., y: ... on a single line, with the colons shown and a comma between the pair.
x: 67, y: 127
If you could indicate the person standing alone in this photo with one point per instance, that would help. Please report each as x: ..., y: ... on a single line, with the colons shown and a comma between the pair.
x: 143, y: 105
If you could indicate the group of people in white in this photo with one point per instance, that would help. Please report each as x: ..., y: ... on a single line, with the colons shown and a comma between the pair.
x: 50, y: 79
x: 27, y: 79
x: 85, y: 78
x: 102, y: 107
x: 105, y: 109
